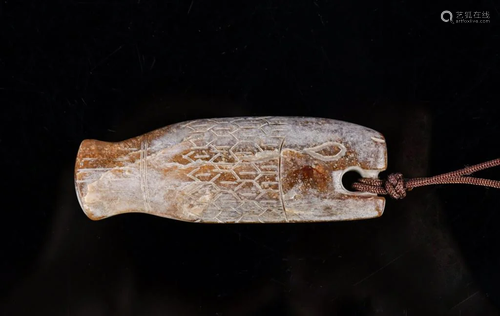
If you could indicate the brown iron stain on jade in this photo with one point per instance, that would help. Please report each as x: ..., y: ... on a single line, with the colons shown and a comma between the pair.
x: 234, y: 170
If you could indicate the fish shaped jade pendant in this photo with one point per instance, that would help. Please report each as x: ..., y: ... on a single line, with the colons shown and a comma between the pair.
x: 234, y: 170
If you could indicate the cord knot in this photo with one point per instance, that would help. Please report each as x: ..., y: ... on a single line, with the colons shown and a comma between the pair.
x: 395, y: 186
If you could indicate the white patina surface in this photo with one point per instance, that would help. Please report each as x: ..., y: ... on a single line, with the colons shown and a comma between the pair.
x: 234, y: 170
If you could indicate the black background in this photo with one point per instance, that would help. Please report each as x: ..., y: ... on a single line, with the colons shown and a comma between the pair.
x: 112, y: 70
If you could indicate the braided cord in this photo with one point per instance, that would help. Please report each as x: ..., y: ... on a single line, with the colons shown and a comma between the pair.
x: 396, y: 185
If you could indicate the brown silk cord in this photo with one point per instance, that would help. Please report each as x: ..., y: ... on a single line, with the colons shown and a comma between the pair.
x: 396, y: 185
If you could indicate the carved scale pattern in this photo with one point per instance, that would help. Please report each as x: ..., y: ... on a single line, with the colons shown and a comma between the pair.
x: 235, y: 169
